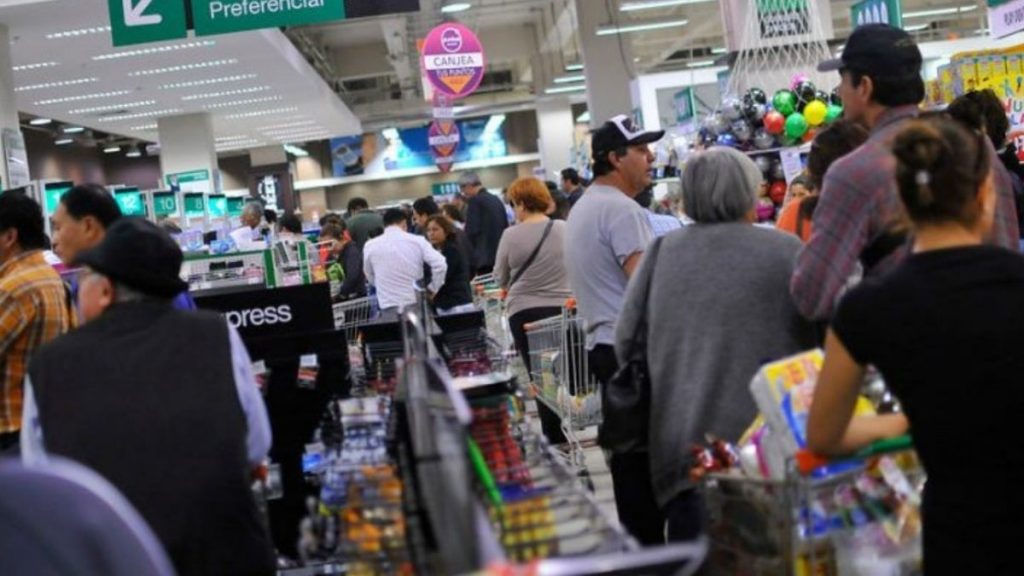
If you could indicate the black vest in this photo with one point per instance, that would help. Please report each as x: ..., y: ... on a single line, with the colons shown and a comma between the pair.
x: 145, y: 395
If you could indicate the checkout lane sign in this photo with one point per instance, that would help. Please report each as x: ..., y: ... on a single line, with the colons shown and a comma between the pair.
x: 453, y: 59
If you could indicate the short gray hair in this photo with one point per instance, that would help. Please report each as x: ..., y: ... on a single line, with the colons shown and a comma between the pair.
x: 469, y: 179
x: 253, y: 208
x: 720, y: 185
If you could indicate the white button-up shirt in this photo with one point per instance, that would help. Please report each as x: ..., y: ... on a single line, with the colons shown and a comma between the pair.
x: 394, y: 261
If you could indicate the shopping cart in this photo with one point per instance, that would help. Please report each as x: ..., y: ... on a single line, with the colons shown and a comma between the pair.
x: 560, y: 374
x: 351, y: 314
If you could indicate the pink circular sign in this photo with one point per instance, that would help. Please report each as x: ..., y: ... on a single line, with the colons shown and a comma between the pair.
x: 453, y: 60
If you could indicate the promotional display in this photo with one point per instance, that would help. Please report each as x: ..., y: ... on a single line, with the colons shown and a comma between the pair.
x: 444, y: 138
x: 453, y: 59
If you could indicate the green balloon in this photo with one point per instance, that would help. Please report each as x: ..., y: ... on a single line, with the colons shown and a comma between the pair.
x: 834, y: 113
x: 796, y: 125
x: 785, y: 102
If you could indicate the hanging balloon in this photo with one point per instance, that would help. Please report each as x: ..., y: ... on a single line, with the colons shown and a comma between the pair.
x: 805, y: 94
x: 756, y: 96
x: 727, y: 140
x: 732, y: 109
x: 816, y: 112
x: 777, y: 172
x: 834, y: 113
x: 774, y: 122
x: 763, y: 163
x: 742, y: 130
x: 784, y: 102
x: 810, y: 136
x: 754, y: 112
x: 763, y: 140
x: 797, y: 80
x: 821, y: 95
x: 786, y: 141
x: 777, y: 191
x: 834, y: 98
x: 710, y: 124
x: 721, y: 123
x: 796, y: 126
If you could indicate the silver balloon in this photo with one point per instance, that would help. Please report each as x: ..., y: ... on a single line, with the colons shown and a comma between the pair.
x: 711, y: 124
x: 757, y: 112
x: 721, y: 123
x: 764, y: 163
x: 742, y: 130
x: 777, y: 172
x: 732, y: 109
x: 763, y: 140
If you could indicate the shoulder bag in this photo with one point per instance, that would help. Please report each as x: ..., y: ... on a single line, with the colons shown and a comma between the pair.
x: 533, y: 255
x: 626, y: 399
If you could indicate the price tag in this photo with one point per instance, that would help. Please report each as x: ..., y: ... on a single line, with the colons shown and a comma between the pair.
x: 791, y: 164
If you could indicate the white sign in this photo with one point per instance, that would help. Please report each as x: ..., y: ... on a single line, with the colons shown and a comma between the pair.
x: 1006, y: 19
x: 791, y: 163
x: 16, y: 158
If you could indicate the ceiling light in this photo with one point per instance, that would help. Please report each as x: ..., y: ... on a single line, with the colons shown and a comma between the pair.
x: 916, y: 27
x: 120, y: 117
x: 294, y: 132
x: 108, y: 107
x: 262, y: 113
x: 652, y: 4
x: 40, y: 121
x: 208, y: 81
x: 133, y: 151
x: 112, y: 149
x: 184, y: 67
x: 570, y: 79
x: 307, y: 137
x: 583, y: 118
x: 574, y: 67
x: 700, y: 64
x: 57, y: 84
x: 453, y: 7
x: 144, y: 128
x: 242, y: 102
x: 238, y: 137
x: 35, y: 66
x: 719, y: 51
x: 295, y: 151
x: 73, y: 129
x: 565, y: 89
x: 63, y: 141
x: 154, y: 50
x: 95, y: 96
x: 211, y: 95
x: 940, y: 11
x: 78, y: 32
x: 288, y: 125
x: 626, y: 29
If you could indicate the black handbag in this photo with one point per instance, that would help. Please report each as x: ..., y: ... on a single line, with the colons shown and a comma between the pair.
x: 626, y: 398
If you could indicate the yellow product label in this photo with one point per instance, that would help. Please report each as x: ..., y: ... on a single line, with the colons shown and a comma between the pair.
x: 998, y: 64
x: 967, y: 76
x: 794, y: 371
x: 1013, y: 64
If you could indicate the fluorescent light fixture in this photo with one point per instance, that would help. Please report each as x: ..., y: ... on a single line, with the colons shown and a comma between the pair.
x: 78, y: 32
x: 57, y: 84
x: 73, y: 129
x: 239, y: 92
x: 63, y: 141
x: 453, y: 7
x: 236, y: 137
x: 643, y: 27
x: 208, y: 81
x: 719, y: 51
x: 154, y: 50
x: 133, y: 151
x: 700, y: 64
x: 158, y: 113
x: 565, y: 89
x: 295, y: 151
x: 288, y: 125
x: 574, y: 67
x: 40, y: 121
x: 35, y: 66
x: 236, y: 103
x: 583, y: 118
x: 940, y: 11
x: 144, y: 128
x: 304, y: 137
x: 916, y: 27
x: 570, y: 79
x: 95, y: 96
x: 108, y: 107
x: 112, y: 149
x: 184, y: 67
x: 294, y: 133
x: 654, y: 4
x: 268, y: 112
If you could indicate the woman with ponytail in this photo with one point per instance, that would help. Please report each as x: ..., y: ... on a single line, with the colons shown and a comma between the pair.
x: 944, y: 329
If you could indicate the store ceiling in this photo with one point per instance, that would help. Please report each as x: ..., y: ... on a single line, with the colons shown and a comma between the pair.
x: 294, y: 77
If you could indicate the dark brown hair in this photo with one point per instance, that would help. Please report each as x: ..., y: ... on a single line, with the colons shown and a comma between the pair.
x: 332, y: 230
x: 940, y: 166
x: 446, y: 224
x: 452, y: 211
x: 982, y: 110
x: 837, y: 140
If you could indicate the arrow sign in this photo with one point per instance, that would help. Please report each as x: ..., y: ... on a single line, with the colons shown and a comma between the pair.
x: 136, y: 15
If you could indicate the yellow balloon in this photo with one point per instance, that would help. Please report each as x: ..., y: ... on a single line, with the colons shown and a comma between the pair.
x: 815, y: 112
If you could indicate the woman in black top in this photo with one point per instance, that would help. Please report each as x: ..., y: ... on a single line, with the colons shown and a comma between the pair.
x: 456, y: 295
x: 944, y: 330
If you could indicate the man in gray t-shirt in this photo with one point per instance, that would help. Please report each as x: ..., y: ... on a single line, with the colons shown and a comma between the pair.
x: 606, y: 235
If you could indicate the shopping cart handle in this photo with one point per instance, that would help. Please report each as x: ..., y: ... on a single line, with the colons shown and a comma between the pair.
x: 807, y: 461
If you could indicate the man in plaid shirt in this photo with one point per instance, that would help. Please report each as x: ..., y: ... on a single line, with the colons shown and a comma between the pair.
x: 859, y: 218
x: 34, y: 307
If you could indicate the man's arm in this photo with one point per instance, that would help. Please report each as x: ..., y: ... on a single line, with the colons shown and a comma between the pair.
x: 367, y: 263
x: 631, y: 263
x: 258, y: 438
x: 438, y: 265
x: 353, y: 272
x: 13, y: 322
x: 630, y: 235
x: 839, y: 235
x: 33, y: 453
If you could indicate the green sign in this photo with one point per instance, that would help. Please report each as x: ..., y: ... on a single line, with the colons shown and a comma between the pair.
x: 195, y: 205
x: 217, y: 205
x: 235, y: 205
x: 686, y: 107
x: 877, y: 12
x: 445, y: 191
x: 184, y: 178
x: 141, y: 21
x: 129, y: 200
x: 223, y: 16
x: 165, y: 204
x: 53, y: 192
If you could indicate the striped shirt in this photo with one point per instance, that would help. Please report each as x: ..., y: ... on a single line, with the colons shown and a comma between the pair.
x: 34, y: 309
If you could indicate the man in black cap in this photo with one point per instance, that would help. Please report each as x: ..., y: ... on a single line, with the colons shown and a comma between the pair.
x: 160, y: 402
x: 859, y: 213
x: 606, y: 235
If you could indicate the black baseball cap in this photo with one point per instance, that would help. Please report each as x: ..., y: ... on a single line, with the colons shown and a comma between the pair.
x: 140, y: 255
x: 620, y: 132
x: 877, y: 50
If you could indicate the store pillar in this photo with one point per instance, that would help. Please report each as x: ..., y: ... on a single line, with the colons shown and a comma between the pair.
x: 271, y: 180
x: 607, y: 61
x: 187, y: 145
x: 556, y: 126
x: 9, y: 116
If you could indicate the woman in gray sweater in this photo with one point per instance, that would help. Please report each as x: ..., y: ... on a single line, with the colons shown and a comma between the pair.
x: 719, y: 308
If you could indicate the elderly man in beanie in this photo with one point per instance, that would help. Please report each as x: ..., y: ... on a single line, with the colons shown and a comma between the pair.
x: 160, y: 402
